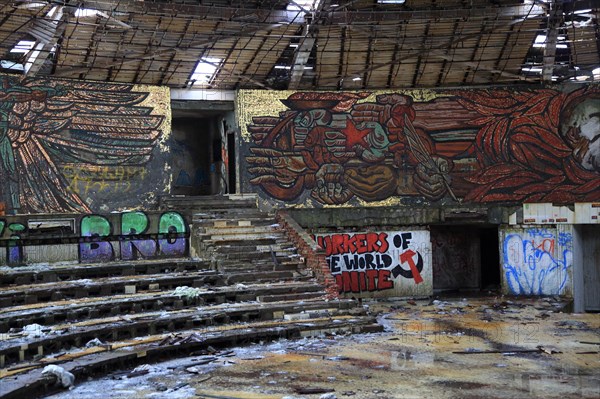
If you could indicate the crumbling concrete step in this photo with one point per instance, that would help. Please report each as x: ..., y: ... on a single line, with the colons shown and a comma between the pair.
x: 12, y: 296
x: 281, y: 249
x: 210, y: 201
x: 234, y: 222
x: 290, y: 296
x: 239, y: 230
x: 259, y: 257
x: 260, y: 238
x: 259, y: 267
x: 199, y: 214
x: 96, y: 361
x: 75, y: 271
x: 49, y: 313
x: 264, y: 259
x: 77, y: 334
x: 29, y: 294
x: 252, y: 276
x: 251, y: 247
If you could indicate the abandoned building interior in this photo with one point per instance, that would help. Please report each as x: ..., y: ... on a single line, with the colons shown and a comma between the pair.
x: 237, y: 199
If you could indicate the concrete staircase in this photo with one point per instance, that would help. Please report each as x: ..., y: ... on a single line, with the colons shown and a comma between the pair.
x: 245, y: 284
x: 241, y: 238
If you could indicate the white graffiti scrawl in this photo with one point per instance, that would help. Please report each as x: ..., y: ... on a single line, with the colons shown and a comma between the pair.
x: 536, y: 261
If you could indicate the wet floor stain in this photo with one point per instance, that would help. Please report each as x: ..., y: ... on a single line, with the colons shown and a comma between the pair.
x: 490, y: 348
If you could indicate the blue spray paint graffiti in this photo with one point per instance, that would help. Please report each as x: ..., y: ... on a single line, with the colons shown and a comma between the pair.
x: 530, y: 263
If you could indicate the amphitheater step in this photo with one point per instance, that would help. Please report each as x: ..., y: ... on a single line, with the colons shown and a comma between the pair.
x: 61, y: 337
x: 34, y: 293
x: 47, y: 273
x: 28, y: 381
x: 249, y: 284
x: 47, y: 313
x: 205, y: 223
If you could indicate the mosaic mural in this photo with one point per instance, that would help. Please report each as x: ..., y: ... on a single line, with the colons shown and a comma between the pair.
x: 64, y: 142
x: 495, y: 145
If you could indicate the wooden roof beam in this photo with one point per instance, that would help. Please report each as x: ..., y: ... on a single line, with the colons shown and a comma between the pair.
x: 555, y: 19
x: 307, y: 43
x: 195, y: 46
x: 333, y: 15
x: 45, y: 31
x: 437, y: 53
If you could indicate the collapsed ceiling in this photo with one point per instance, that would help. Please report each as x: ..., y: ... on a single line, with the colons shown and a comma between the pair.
x: 317, y: 44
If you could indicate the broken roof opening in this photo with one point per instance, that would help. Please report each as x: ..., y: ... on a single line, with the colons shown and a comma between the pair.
x: 23, y: 46
x: 205, y: 70
x: 85, y: 12
x: 303, y: 5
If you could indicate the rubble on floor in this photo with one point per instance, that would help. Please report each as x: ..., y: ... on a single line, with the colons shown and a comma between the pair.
x: 484, y: 347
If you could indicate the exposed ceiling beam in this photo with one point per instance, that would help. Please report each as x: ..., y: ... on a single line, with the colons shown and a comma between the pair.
x: 237, y: 74
x: 334, y: 15
x: 114, y: 20
x: 440, y: 54
x: 45, y: 31
x: 300, y: 60
x: 306, y: 45
x: 418, y: 53
x: 555, y: 18
x: 195, y: 46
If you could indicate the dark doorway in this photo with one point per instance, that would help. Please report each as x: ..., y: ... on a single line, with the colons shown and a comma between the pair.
x: 490, y: 258
x: 198, y: 146
x: 465, y: 258
x: 231, y: 164
x: 591, y: 267
x: 193, y: 156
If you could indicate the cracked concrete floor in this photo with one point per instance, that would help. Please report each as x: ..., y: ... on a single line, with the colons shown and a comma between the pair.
x: 490, y: 347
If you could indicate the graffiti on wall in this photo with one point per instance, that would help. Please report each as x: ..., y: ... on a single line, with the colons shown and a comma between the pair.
x: 483, y: 146
x: 138, y: 236
x: 373, y: 262
x: 537, y: 261
x: 86, y: 179
x: 62, y: 139
x: 136, y: 241
x: 14, y: 251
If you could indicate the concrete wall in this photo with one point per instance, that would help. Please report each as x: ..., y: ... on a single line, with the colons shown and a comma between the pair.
x: 578, y: 275
x: 591, y: 267
x: 91, y: 238
x: 74, y: 146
